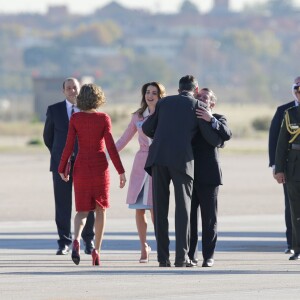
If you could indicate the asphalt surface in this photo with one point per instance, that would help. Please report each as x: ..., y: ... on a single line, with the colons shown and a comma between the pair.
x: 249, y: 261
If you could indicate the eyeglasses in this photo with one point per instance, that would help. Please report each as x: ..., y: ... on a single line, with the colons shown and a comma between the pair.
x: 297, y: 88
x: 203, y: 97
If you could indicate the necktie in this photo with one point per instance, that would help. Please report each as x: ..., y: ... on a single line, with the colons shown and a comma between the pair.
x: 72, y: 110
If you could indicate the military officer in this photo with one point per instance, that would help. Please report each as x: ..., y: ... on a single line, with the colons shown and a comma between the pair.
x: 287, y: 166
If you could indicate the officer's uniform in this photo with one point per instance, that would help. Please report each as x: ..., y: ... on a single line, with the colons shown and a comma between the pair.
x: 287, y: 161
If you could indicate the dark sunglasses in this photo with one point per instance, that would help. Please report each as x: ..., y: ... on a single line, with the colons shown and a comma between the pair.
x: 297, y: 88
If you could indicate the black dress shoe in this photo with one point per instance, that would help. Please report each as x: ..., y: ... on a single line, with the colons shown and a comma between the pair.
x: 208, y: 262
x: 63, y: 250
x: 166, y: 264
x: 89, y: 247
x: 185, y: 264
x: 296, y: 256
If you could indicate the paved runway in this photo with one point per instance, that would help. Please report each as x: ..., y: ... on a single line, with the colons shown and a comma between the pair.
x: 249, y: 264
x: 249, y: 261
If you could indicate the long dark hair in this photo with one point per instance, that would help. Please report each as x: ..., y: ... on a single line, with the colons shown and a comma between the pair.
x: 161, y: 93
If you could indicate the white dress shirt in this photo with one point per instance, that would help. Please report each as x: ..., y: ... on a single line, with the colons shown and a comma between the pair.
x: 69, y: 108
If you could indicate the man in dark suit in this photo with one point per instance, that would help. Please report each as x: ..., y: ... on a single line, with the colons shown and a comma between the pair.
x: 273, y: 138
x: 287, y: 166
x: 55, y: 135
x: 208, y: 177
x: 172, y: 127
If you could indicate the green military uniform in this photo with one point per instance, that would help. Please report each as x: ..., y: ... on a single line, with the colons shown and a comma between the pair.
x: 287, y: 161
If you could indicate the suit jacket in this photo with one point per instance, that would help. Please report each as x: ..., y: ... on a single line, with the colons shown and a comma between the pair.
x: 207, y: 167
x: 172, y: 127
x: 55, y: 132
x: 288, y: 160
x: 274, y: 130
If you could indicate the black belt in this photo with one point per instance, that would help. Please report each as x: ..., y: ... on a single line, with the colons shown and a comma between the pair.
x: 295, y: 146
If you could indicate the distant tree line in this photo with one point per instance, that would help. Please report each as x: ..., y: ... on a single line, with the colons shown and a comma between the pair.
x: 241, y: 64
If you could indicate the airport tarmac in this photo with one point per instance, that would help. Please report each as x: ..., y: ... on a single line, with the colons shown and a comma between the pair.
x: 249, y: 261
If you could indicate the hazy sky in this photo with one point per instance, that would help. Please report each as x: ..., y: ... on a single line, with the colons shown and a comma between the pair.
x: 87, y: 6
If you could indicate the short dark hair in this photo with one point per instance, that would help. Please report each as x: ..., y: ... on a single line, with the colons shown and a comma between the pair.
x: 211, y: 94
x: 188, y: 83
x: 70, y: 79
x: 90, y: 96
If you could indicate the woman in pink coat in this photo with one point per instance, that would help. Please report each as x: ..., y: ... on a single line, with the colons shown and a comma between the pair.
x: 139, y: 195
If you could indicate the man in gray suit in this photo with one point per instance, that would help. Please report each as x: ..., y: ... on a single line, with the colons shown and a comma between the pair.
x: 172, y: 127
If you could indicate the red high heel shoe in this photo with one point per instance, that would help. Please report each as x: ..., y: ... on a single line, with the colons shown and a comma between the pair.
x: 95, y: 258
x: 146, y: 259
x: 76, y: 252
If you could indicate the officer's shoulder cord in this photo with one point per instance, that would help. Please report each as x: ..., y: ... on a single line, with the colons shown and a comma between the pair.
x: 293, y: 132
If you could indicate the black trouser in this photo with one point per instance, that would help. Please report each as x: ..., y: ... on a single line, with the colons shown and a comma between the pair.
x: 287, y: 217
x: 63, y: 212
x: 161, y: 178
x: 205, y: 199
x: 293, y: 188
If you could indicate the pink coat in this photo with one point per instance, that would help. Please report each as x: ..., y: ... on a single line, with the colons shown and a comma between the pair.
x: 138, y: 176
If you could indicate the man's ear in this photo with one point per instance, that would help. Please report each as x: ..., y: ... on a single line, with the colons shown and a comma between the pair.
x: 212, y: 105
x: 196, y: 92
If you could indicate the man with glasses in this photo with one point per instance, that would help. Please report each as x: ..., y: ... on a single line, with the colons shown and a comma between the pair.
x: 273, y: 138
x: 207, y: 178
x: 287, y: 166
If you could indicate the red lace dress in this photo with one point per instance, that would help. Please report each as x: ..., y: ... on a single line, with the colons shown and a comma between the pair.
x: 91, y: 172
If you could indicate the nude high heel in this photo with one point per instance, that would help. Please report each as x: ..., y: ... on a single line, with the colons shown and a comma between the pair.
x: 146, y: 259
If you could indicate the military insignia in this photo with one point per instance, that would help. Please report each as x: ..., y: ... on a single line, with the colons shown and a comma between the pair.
x: 292, y: 128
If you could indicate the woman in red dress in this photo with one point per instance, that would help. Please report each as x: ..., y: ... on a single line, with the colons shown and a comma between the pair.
x: 91, y: 173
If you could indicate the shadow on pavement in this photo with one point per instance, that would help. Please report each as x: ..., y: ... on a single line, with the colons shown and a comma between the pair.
x: 228, y: 241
